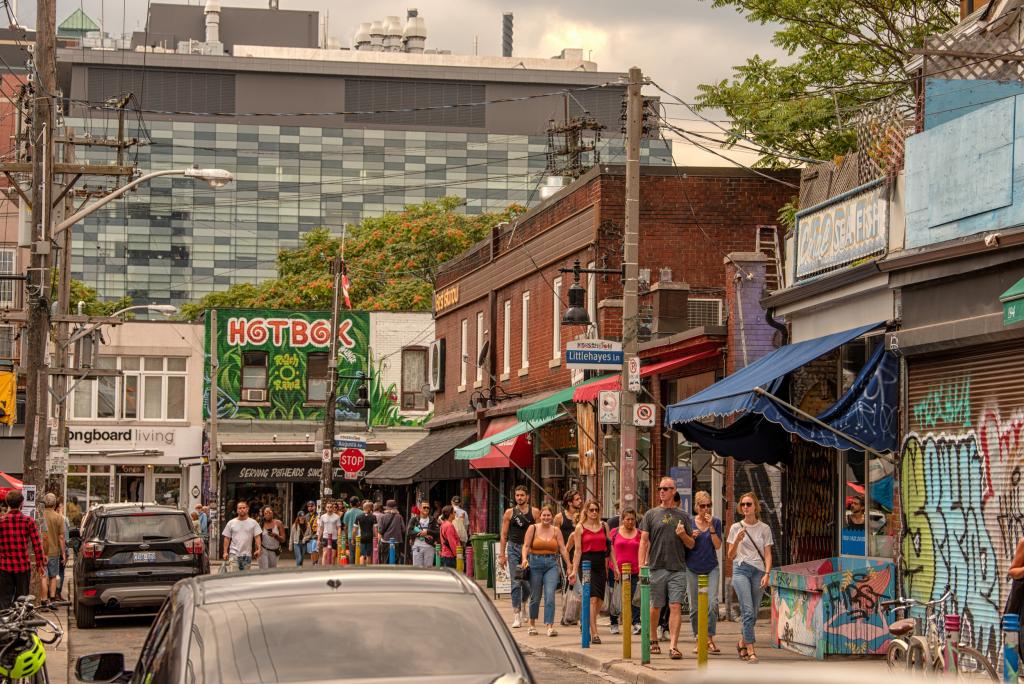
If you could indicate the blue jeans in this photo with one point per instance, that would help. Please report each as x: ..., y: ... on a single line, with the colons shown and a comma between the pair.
x: 299, y: 550
x: 520, y: 590
x: 691, y: 592
x: 614, y: 586
x: 543, y: 575
x: 746, y: 580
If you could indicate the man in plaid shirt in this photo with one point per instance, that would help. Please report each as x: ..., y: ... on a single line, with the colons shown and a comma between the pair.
x: 17, y: 530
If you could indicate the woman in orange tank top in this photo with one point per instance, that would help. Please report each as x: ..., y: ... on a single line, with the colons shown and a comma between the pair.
x: 541, y: 548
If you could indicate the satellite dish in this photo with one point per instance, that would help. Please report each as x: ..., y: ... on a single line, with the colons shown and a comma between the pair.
x: 481, y: 358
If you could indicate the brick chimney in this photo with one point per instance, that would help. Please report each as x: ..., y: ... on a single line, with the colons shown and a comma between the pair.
x: 749, y: 335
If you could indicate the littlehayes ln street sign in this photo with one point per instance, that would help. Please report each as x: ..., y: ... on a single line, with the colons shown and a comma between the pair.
x: 594, y: 354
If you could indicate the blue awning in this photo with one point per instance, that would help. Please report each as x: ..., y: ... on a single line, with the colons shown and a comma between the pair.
x: 735, y: 394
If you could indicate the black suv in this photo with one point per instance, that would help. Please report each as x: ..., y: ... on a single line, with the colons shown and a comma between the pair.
x: 130, y: 557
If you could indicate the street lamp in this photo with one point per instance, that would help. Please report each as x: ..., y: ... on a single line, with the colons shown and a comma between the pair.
x: 215, y: 178
x: 576, y: 312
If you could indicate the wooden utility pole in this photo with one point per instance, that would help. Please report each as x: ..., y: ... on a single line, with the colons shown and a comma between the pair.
x: 630, y: 306
x: 37, y: 332
x: 327, y: 466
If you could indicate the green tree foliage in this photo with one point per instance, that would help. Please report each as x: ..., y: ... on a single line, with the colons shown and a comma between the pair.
x: 845, y: 56
x: 93, y: 305
x: 392, y: 262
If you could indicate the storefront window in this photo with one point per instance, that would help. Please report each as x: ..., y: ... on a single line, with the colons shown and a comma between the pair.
x: 87, y: 485
x: 167, y: 489
x: 852, y: 541
x: 882, y: 520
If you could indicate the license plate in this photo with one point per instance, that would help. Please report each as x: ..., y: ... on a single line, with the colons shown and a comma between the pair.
x: 144, y: 557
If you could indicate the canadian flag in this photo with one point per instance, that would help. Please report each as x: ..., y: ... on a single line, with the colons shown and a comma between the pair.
x: 345, y: 285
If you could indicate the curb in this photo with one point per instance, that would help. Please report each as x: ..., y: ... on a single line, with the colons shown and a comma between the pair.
x: 627, y: 671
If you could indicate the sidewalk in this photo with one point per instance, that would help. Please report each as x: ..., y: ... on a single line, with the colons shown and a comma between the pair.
x: 607, y: 657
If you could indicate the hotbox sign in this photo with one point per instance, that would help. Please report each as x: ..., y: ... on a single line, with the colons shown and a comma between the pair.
x: 291, y: 332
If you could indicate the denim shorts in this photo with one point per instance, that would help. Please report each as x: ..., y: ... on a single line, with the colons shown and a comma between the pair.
x: 667, y: 586
x: 366, y: 549
x: 53, y: 566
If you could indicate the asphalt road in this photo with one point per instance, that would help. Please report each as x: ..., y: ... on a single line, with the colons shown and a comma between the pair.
x: 127, y: 634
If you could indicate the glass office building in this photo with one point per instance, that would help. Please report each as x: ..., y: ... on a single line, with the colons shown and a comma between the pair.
x: 175, y: 240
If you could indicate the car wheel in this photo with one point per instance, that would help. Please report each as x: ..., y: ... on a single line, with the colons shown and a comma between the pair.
x: 85, y: 616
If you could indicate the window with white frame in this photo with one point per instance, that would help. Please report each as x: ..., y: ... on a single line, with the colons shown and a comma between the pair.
x: 150, y: 388
x: 463, y: 355
x: 479, y: 346
x: 704, y: 311
x: 7, y: 266
x: 7, y: 342
x: 506, y: 342
x: 556, y: 325
x: 592, y: 296
x: 524, y: 347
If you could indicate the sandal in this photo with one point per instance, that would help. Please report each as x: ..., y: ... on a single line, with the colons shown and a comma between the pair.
x: 742, y: 651
x: 674, y: 654
x: 532, y: 631
x: 655, y: 648
x: 752, y: 658
x: 713, y: 648
x: 595, y: 639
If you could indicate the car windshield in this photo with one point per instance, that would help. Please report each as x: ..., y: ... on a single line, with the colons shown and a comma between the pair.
x: 146, y: 527
x: 381, y: 635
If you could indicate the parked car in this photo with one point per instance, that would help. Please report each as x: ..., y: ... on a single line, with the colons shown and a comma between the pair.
x: 320, y: 624
x: 131, y: 555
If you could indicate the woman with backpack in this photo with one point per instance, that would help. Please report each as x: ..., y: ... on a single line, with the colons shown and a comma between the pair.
x: 593, y: 544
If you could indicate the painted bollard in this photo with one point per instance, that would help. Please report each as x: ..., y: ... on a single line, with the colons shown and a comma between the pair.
x: 460, y: 565
x: 392, y: 551
x: 645, y: 615
x: 358, y: 548
x: 952, y: 625
x: 585, y: 607
x: 1011, y: 658
x: 626, y: 613
x: 702, y: 620
x: 469, y: 561
x: 376, y: 550
x: 437, y: 555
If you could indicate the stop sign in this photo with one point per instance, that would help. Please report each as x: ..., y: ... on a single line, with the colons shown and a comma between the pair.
x: 352, y: 460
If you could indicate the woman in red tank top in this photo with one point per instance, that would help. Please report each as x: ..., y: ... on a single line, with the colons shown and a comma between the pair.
x: 591, y: 538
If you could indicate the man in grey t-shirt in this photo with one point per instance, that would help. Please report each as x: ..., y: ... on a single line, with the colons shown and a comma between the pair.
x: 666, y: 532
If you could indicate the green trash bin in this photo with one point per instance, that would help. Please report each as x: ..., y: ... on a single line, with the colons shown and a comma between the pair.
x: 482, y: 554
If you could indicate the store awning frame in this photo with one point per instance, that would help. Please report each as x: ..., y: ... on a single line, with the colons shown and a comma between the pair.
x: 482, y: 447
x: 589, y: 392
x: 405, y: 466
x: 552, y: 406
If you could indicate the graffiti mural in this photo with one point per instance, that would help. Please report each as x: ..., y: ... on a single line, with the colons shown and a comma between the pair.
x: 962, y: 507
x: 830, y: 607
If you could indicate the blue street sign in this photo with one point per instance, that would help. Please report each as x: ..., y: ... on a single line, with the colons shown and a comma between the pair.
x: 594, y: 358
x: 349, y: 443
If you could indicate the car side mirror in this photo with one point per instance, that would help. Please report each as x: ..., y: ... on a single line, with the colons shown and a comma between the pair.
x: 100, y: 667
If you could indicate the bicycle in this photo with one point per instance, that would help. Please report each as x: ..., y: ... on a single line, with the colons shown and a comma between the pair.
x: 22, y: 655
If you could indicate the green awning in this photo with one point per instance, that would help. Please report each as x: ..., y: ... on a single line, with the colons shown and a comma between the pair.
x: 483, y: 447
x: 549, y: 407
x: 1013, y: 303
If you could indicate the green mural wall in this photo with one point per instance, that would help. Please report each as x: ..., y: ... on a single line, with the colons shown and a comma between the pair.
x: 288, y: 337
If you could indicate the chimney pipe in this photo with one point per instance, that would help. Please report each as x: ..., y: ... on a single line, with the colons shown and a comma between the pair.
x: 212, y: 14
x: 506, y: 34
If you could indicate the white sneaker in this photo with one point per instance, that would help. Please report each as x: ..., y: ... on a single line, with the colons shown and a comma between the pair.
x: 614, y: 629
x: 552, y: 632
x: 517, y: 623
x: 636, y: 629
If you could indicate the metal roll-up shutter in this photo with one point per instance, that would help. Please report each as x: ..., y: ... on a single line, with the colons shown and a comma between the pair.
x: 962, y: 499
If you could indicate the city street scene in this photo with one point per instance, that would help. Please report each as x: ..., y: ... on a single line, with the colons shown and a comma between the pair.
x: 511, y: 343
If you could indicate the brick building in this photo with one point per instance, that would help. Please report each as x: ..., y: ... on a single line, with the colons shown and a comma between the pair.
x: 500, y: 346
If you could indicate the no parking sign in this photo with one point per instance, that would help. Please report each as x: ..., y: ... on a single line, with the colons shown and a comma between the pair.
x: 643, y: 415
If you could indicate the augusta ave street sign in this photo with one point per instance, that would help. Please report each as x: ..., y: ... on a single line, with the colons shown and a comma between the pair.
x: 594, y: 355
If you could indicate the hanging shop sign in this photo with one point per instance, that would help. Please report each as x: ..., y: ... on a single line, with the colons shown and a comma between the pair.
x: 594, y: 354
x: 842, y: 230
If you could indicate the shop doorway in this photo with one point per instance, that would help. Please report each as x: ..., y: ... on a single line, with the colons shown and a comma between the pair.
x: 131, y: 484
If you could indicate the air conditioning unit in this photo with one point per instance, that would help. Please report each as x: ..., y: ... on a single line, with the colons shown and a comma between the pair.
x: 552, y: 467
x: 255, y: 395
x: 435, y: 365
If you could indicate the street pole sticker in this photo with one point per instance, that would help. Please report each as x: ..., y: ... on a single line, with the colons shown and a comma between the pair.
x: 325, y: 456
x: 643, y: 415
x: 634, y: 374
x: 608, y: 407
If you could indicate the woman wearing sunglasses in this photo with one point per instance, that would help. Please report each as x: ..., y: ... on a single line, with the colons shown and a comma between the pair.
x: 750, y: 551
x: 702, y: 559
x: 594, y: 544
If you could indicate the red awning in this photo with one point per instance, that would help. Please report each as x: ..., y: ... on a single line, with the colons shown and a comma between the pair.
x: 589, y: 392
x: 517, y: 450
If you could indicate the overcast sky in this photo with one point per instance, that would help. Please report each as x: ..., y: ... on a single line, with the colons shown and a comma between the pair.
x: 678, y: 43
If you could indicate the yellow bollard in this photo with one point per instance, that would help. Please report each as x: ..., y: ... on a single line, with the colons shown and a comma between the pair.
x: 460, y: 563
x: 358, y: 547
x: 702, y: 620
x: 626, y: 614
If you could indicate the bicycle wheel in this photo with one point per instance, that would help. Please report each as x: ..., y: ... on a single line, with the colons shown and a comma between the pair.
x: 971, y: 663
x: 896, y: 655
x: 918, y: 658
